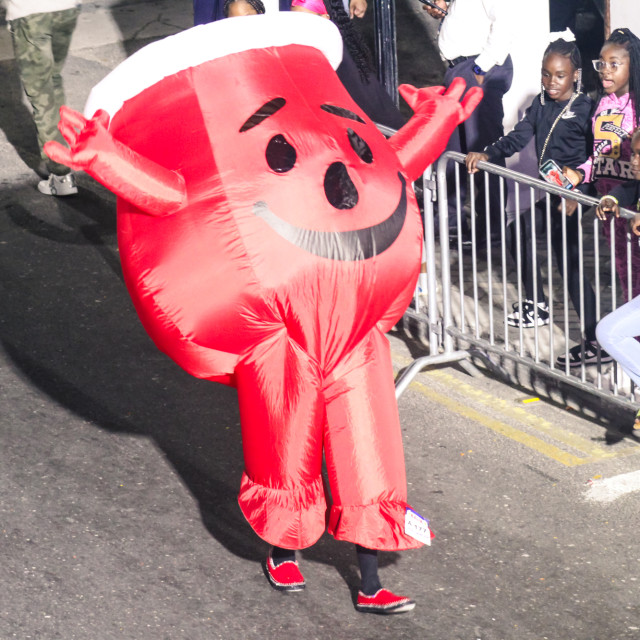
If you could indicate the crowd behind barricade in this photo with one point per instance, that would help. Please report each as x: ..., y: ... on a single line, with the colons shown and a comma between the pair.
x: 582, y: 142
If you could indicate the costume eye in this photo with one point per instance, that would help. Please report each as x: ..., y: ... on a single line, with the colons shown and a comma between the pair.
x: 281, y: 156
x: 342, y: 112
x: 360, y: 146
x: 264, y: 112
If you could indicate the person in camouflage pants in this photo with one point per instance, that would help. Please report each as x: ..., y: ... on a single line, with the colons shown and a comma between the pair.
x: 41, y: 43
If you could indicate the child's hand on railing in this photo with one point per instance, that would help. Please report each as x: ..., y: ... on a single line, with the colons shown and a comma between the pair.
x: 472, y: 160
x: 607, y: 206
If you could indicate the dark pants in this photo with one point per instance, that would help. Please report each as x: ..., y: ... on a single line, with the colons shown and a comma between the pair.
x: 483, y: 127
x: 572, y: 275
x: 621, y: 228
x: 562, y: 14
x: 369, y: 94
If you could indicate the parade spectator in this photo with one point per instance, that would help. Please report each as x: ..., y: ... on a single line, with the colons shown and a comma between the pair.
x: 474, y: 41
x: 205, y: 11
x: 615, y: 117
x: 356, y: 70
x: 41, y: 32
x: 618, y: 332
x: 562, y: 14
x: 239, y: 8
x: 559, y: 119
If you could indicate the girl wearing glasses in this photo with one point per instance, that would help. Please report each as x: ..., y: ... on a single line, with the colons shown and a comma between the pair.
x: 615, y: 117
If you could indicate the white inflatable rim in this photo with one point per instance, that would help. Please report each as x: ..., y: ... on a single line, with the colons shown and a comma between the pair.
x: 206, y: 42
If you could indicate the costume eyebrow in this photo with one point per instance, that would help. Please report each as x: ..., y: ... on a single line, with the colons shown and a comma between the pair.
x: 266, y: 110
x: 342, y: 112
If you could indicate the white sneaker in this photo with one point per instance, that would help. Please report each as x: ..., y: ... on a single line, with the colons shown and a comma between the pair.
x: 58, y: 185
x: 530, y: 316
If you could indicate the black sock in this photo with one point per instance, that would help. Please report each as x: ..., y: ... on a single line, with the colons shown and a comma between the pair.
x: 280, y: 555
x: 368, y: 561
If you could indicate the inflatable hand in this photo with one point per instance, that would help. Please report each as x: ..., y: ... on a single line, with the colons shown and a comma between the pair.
x: 154, y: 189
x: 436, y: 102
x: 436, y: 114
x: 86, y: 138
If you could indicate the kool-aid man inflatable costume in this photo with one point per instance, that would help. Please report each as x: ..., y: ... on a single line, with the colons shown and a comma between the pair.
x: 269, y: 237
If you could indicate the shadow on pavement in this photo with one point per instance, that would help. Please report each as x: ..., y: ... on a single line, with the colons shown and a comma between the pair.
x: 69, y: 327
x: 15, y: 118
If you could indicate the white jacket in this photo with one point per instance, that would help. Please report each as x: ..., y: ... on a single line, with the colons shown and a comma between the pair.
x: 20, y: 8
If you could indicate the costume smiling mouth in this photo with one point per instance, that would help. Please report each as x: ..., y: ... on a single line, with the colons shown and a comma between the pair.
x: 358, y: 244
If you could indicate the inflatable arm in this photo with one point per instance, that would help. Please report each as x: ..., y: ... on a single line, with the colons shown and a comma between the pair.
x: 147, y: 185
x: 436, y: 114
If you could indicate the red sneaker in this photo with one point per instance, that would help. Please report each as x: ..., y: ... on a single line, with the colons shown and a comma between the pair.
x: 284, y: 577
x: 385, y: 602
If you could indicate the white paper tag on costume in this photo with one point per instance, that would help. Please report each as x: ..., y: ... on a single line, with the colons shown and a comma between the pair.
x: 417, y: 527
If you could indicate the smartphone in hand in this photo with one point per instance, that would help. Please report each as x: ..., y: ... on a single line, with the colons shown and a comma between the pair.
x: 434, y: 6
x: 552, y: 173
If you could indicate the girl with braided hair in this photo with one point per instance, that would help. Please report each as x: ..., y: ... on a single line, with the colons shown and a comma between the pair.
x: 205, y: 11
x: 559, y: 121
x: 614, y: 119
x: 356, y: 70
x: 238, y: 8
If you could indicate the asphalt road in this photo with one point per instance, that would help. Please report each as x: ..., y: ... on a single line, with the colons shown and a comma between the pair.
x: 119, y: 472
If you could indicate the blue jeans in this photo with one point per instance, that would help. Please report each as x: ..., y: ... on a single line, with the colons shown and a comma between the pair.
x: 617, y: 333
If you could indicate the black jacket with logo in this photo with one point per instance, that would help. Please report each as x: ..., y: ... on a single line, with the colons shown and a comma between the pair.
x: 570, y: 143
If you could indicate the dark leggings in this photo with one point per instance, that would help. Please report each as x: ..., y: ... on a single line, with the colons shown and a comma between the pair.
x: 573, y: 260
x: 367, y: 560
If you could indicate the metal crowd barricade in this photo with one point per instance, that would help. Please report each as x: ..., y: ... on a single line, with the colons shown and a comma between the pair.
x: 471, y: 286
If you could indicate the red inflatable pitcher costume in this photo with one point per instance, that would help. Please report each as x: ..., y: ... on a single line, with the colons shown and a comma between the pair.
x: 269, y: 238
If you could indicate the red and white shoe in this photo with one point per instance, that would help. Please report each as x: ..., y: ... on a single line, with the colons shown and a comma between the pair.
x: 284, y: 577
x: 384, y: 602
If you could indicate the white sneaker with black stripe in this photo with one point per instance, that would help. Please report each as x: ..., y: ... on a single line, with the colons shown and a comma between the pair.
x: 58, y: 185
x: 529, y: 318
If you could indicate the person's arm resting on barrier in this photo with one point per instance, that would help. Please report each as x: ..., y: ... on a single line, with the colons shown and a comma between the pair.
x: 472, y: 160
x: 516, y: 140
x: 623, y: 196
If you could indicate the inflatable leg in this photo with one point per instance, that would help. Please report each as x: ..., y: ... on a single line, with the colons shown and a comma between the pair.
x: 363, y: 450
x: 282, y: 417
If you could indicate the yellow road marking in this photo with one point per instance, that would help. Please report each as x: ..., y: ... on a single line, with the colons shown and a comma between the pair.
x: 532, y: 442
x: 592, y: 451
